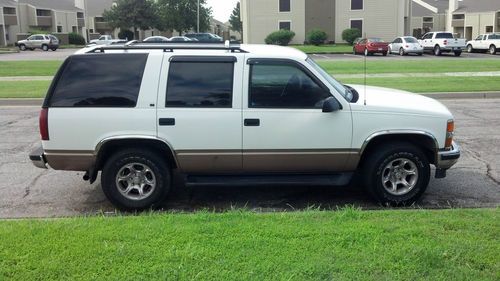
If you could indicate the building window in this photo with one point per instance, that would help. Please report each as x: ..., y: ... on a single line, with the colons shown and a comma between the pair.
x: 357, y: 24
x: 9, y: 11
x: 79, y: 15
x: 357, y: 4
x: 286, y: 25
x: 99, y: 19
x: 284, y: 5
x: 59, y: 29
x: 489, y: 29
x: 73, y: 29
x: 42, y: 13
x: 91, y: 30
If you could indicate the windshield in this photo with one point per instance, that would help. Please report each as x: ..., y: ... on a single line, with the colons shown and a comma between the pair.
x: 375, y: 40
x: 346, y: 93
x: 410, y: 40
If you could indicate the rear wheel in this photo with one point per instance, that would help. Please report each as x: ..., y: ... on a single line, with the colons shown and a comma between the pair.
x: 437, y: 50
x: 22, y: 47
x: 384, y: 54
x: 366, y: 52
x: 458, y: 53
x: 45, y: 48
x: 396, y: 174
x: 135, y: 180
x: 401, y: 52
x: 493, y: 50
x: 354, y: 51
x: 54, y: 49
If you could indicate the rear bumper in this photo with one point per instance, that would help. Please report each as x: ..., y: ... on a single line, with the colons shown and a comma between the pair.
x: 37, y: 157
x: 446, y: 159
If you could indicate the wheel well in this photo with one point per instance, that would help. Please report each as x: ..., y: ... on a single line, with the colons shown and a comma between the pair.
x: 425, y: 143
x: 493, y: 46
x: 113, y: 146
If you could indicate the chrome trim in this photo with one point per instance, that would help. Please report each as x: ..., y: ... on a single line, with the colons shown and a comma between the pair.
x: 398, y: 132
x: 143, y: 137
x: 453, y: 155
x: 37, y: 158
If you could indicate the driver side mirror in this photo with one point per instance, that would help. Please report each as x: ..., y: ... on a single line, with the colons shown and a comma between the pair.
x: 331, y: 105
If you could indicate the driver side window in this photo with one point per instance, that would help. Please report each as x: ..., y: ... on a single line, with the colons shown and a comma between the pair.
x: 284, y: 86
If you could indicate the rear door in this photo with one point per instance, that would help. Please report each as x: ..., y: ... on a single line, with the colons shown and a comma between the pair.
x: 199, y: 111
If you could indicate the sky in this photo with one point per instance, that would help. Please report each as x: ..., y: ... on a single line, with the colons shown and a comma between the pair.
x: 222, y: 9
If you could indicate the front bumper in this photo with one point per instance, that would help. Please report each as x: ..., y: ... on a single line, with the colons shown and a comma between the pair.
x: 447, y: 158
x: 38, y: 158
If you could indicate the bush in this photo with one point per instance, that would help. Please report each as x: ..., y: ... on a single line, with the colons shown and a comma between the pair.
x: 76, y: 39
x: 350, y: 34
x: 317, y: 37
x: 126, y: 34
x: 281, y: 37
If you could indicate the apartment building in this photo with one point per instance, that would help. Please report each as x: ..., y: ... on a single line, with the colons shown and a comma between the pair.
x: 382, y: 18
x: 8, y: 21
x: 385, y: 19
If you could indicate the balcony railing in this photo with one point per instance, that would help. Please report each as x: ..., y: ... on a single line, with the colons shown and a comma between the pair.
x: 457, y: 22
x: 44, y: 20
x: 10, y: 19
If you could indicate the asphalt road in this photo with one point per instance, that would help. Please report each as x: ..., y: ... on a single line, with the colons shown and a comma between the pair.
x: 62, y: 54
x: 30, y: 192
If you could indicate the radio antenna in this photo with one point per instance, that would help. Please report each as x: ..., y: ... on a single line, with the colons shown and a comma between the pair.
x: 365, y: 55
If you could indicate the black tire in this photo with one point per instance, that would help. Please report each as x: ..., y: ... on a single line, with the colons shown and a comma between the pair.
x: 366, y: 53
x: 401, y: 52
x: 45, y: 48
x: 376, y: 165
x: 470, y: 49
x: 158, y: 167
x: 54, y: 49
x: 437, y: 50
x: 384, y: 54
x: 22, y: 47
x: 420, y: 54
x: 492, y: 50
x: 458, y: 53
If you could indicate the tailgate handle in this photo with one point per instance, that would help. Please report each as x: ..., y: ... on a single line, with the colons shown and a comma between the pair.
x: 167, y: 121
x: 252, y: 122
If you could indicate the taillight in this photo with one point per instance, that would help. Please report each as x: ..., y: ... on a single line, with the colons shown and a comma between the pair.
x: 445, y: 42
x: 407, y: 46
x: 450, y: 128
x: 43, y: 121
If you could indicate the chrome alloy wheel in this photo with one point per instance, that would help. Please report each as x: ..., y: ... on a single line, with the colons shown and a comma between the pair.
x: 136, y: 181
x: 400, y: 176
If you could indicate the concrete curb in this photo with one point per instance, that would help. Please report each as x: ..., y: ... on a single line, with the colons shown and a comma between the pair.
x: 439, y: 96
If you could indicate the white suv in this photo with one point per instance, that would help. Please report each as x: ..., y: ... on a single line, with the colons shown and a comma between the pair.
x: 230, y: 115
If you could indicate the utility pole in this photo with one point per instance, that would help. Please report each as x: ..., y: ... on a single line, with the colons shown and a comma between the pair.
x: 198, y: 22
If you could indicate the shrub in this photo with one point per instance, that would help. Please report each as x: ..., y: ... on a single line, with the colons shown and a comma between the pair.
x: 281, y: 37
x: 126, y: 34
x: 349, y: 35
x: 76, y: 39
x: 317, y: 37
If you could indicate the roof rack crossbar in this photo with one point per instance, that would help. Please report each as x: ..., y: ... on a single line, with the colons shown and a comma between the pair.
x: 171, y: 47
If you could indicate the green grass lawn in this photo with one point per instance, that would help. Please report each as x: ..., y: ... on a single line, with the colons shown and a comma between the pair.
x: 311, y: 49
x: 240, y: 245
x: 431, y: 85
x: 23, y: 89
x: 29, y: 68
x: 410, y: 66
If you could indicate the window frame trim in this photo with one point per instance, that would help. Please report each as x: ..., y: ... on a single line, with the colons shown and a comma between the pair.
x: 356, y: 10
x: 362, y: 25
x: 202, y: 59
x: 283, y: 21
x: 279, y: 7
x: 271, y: 61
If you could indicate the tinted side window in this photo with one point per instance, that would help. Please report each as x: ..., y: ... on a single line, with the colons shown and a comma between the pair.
x: 444, y: 36
x: 284, y: 86
x: 100, y: 80
x: 200, y: 84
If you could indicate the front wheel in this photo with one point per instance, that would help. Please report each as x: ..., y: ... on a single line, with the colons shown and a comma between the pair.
x: 401, y: 52
x: 22, y: 47
x: 45, y: 48
x: 396, y: 174
x: 457, y: 53
x: 354, y: 51
x: 470, y: 49
x: 135, y: 180
x: 54, y: 49
x: 366, y: 52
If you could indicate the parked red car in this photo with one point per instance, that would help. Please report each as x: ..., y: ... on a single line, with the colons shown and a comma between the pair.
x: 369, y: 46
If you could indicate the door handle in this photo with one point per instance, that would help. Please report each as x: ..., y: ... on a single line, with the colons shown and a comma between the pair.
x: 252, y: 122
x: 167, y: 122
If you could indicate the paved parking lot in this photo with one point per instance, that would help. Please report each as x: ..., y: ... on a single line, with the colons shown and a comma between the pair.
x: 426, y: 56
x: 30, y: 192
x: 60, y: 54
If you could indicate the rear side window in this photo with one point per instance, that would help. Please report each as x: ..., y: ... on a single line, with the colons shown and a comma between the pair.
x: 100, y: 80
x: 195, y: 83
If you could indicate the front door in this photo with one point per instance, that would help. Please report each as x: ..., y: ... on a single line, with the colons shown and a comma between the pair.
x: 199, y: 111
x: 284, y: 128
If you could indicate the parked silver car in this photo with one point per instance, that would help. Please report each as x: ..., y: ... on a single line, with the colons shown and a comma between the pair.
x: 406, y: 45
x: 156, y: 39
x: 39, y: 41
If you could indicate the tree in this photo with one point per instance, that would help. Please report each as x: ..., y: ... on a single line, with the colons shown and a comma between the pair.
x: 235, y: 20
x: 181, y: 15
x: 138, y: 14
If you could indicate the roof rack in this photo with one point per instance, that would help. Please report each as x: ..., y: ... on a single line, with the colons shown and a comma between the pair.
x: 171, y: 46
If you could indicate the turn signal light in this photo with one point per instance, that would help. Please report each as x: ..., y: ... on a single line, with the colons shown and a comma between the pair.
x: 450, y: 128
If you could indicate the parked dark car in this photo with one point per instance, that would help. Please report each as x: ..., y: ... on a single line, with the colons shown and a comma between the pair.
x: 369, y: 46
x: 205, y: 37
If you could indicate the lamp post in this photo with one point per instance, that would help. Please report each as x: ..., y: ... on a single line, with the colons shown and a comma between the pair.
x: 198, y: 22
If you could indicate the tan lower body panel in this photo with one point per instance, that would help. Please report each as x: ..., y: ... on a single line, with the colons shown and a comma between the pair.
x: 70, y: 160
x: 267, y: 161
